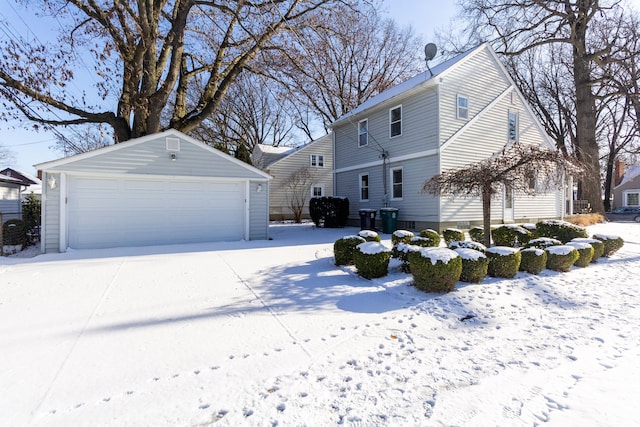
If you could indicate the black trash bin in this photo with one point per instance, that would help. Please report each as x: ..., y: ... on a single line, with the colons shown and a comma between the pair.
x: 367, y: 219
x: 389, y: 218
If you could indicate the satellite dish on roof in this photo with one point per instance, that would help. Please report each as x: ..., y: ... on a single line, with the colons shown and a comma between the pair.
x: 430, y: 50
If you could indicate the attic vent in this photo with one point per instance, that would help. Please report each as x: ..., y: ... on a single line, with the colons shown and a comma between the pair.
x: 173, y: 144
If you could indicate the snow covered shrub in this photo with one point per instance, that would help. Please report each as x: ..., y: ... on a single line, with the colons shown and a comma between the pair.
x: 432, y: 235
x: 401, y: 236
x: 611, y: 243
x: 15, y: 232
x: 585, y: 250
x: 474, y: 265
x: 561, y: 230
x: 452, y: 235
x: 344, y: 247
x: 533, y: 261
x: 469, y: 245
x: 597, y: 245
x: 435, y: 269
x: 401, y: 252
x: 543, y: 243
x: 561, y: 258
x: 372, y: 259
x: 531, y: 228
x: 503, y: 261
x: 369, y: 235
x: 510, y: 235
x: 477, y: 234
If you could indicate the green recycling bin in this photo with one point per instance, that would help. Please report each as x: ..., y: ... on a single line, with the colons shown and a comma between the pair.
x: 389, y: 217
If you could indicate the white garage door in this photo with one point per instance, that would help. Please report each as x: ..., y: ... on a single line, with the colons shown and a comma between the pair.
x: 105, y: 212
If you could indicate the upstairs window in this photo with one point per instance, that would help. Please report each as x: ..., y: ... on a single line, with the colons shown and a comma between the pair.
x: 395, y: 121
x: 513, y: 126
x: 317, y: 191
x: 462, y: 107
x: 364, y: 187
x: 317, y: 161
x: 396, y: 183
x: 363, y: 133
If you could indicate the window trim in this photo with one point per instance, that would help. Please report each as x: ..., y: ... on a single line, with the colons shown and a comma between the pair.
x: 320, y: 186
x: 459, y: 108
x: 516, y: 116
x: 393, y: 184
x: 366, y: 133
x: 316, y: 160
x: 360, y: 187
x: 626, y: 194
x: 391, y: 122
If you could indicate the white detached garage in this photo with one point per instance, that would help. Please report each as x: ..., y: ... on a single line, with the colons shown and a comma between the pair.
x: 166, y: 188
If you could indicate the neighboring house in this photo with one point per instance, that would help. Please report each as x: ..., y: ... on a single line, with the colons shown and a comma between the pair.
x: 282, y: 162
x: 35, y: 185
x: 626, y: 192
x: 10, y: 202
x: 467, y: 110
x: 166, y: 188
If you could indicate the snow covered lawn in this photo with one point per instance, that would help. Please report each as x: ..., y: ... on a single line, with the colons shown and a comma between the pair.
x: 272, y: 333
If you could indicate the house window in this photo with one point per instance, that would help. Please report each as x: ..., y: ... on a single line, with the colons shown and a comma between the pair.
x: 395, y: 121
x: 396, y: 183
x: 364, y: 187
x: 513, y: 127
x: 462, y: 110
x: 317, y: 191
x: 317, y: 161
x: 633, y: 199
x: 363, y: 133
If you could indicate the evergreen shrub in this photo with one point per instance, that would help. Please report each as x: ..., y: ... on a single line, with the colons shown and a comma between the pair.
x: 469, y: 244
x: 435, y: 269
x: 597, y: 245
x: 452, y: 235
x: 369, y: 235
x: 329, y: 212
x: 510, y: 235
x: 585, y: 252
x: 15, y: 232
x: 474, y: 265
x: 561, y: 258
x: 401, y: 252
x: 543, y: 243
x: 372, y: 259
x: 401, y: 236
x: 432, y: 235
x: 561, y: 230
x: 503, y: 261
x: 477, y: 234
x: 533, y: 261
x: 344, y: 247
x: 612, y: 243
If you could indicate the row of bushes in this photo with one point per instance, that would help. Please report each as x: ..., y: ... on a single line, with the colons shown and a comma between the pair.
x: 514, y: 235
x: 438, y: 269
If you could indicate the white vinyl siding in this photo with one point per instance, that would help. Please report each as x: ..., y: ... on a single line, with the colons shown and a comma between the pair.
x: 395, y: 121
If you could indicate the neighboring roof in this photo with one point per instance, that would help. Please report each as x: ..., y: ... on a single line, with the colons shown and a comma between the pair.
x: 419, y: 80
x: 11, y: 180
x: 25, y: 178
x: 630, y: 174
x: 266, y: 155
x: 323, y: 139
x: 133, y: 142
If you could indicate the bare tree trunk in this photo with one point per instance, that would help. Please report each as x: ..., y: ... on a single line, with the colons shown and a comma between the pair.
x: 486, y: 215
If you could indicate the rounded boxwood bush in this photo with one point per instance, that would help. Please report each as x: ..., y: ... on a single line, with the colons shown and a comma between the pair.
x: 561, y: 258
x: 477, y: 234
x: 15, y: 232
x: 503, y: 261
x: 469, y: 244
x: 474, y: 265
x: 561, y: 230
x: 426, y: 238
x: 402, y: 251
x: 611, y: 243
x: 344, y: 247
x: 369, y: 235
x: 401, y: 236
x: 435, y: 269
x: 543, y: 243
x: 585, y: 250
x: 531, y: 228
x: 510, y: 235
x: 372, y: 259
x: 534, y: 260
x: 452, y: 235
x: 597, y: 245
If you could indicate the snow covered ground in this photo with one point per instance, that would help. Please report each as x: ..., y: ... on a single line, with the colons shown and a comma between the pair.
x: 272, y: 333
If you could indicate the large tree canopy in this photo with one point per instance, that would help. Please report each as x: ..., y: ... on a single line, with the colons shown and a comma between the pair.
x: 155, y: 64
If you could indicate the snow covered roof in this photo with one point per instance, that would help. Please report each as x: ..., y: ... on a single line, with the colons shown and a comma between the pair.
x: 631, y: 173
x: 414, y: 82
x: 25, y: 178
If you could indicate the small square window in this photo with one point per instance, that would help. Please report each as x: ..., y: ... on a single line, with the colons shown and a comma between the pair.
x: 317, y: 161
x: 317, y: 191
x: 395, y: 121
x: 396, y: 183
x: 462, y: 111
x: 633, y: 199
x: 363, y: 133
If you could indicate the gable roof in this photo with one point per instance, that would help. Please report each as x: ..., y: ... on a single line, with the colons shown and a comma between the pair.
x: 423, y: 79
x: 323, y: 139
x: 144, y: 139
x: 265, y: 155
x: 25, y: 178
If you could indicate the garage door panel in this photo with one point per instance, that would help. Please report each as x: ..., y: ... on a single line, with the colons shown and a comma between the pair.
x: 131, y: 212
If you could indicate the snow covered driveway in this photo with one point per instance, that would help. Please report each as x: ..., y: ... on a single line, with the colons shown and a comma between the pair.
x: 272, y: 333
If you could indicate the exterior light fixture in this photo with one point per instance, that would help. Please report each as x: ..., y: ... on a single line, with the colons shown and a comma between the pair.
x: 259, y: 188
x: 51, y: 182
x: 173, y: 157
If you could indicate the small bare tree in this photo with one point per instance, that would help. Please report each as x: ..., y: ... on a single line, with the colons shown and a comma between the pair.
x: 516, y: 166
x: 298, y: 188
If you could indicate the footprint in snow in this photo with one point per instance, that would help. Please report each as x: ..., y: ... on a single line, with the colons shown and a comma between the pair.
x: 281, y: 407
x: 205, y: 406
